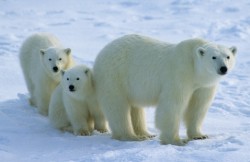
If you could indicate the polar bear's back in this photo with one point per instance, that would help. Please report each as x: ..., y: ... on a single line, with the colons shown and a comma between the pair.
x: 131, y: 46
x: 135, y: 65
x: 134, y: 50
x: 139, y: 66
x: 140, y: 50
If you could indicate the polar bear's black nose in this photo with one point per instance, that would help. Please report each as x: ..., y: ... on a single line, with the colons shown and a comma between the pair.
x: 223, y: 70
x: 71, y: 88
x: 55, y: 68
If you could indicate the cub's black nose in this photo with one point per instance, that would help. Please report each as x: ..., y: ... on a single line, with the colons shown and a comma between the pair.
x: 55, y: 68
x: 223, y: 70
x: 71, y: 88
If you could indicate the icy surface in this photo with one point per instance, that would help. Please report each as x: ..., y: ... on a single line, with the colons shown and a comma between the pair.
x: 86, y: 27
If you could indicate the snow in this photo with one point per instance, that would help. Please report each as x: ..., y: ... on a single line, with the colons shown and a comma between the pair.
x: 86, y: 27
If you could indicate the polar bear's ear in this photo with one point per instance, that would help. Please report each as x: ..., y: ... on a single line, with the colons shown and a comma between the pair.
x: 42, y: 51
x: 86, y: 71
x: 200, y: 51
x: 62, y: 72
x: 67, y: 51
x: 233, y: 49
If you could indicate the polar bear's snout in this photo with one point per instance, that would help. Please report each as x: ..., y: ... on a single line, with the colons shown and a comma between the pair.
x: 223, y: 70
x: 55, y: 69
x: 71, y: 88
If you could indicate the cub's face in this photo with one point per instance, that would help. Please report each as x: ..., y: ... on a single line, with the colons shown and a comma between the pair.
x: 215, y: 60
x: 54, y: 60
x: 75, y: 80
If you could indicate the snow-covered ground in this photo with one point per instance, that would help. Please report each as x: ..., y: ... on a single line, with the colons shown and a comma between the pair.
x: 86, y: 27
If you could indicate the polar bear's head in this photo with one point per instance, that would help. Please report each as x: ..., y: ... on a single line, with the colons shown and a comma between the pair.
x: 54, y: 60
x: 77, y: 80
x: 214, y: 61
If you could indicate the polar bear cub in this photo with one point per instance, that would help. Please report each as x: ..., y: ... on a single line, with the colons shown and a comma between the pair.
x: 73, y: 105
x: 179, y: 79
x: 42, y: 57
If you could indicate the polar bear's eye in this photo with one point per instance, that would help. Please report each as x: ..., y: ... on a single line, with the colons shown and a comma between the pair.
x: 228, y: 57
x: 214, y: 58
x: 77, y: 78
x: 67, y: 78
x: 60, y: 59
x: 50, y: 59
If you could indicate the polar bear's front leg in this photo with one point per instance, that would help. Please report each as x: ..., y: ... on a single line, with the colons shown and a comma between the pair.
x: 168, y: 117
x: 139, y: 123
x: 78, y: 116
x: 31, y: 89
x: 42, y: 100
x: 32, y: 99
x: 196, y: 111
x: 117, y: 112
x: 100, y: 123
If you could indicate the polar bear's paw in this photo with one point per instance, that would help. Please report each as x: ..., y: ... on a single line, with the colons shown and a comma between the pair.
x: 32, y: 102
x: 178, y: 142
x: 82, y: 132
x: 146, y: 135
x: 201, y: 137
x: 196, y: 136
x: 129, y: 138
x: 102, y: 130
x: 67, y: 129
x: 43, y: 111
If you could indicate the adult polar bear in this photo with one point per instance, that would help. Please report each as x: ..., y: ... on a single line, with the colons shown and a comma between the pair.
x: 181, y: 79
x: 42, y: 57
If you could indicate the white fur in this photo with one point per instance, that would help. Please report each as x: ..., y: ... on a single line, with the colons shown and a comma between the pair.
x: 180, y: 79
x: 76, y: 110
x: 39, y: 54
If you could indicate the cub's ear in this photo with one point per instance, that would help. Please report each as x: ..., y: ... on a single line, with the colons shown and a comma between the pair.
x: 42, y: 52
x: 200, y: 51
x: 67, y: 51
x: 86, y: 71
x: 233, y: 49
x: 62, y: 72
